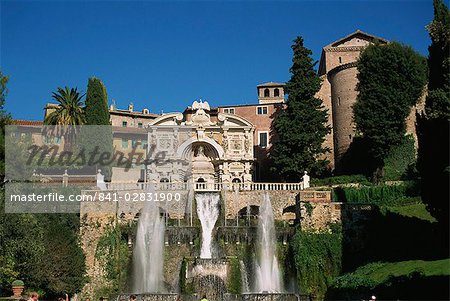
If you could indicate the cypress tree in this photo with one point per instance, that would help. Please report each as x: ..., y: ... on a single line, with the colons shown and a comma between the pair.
x: 300, y: 129
x: 98, y: 133
x: 97, y: 112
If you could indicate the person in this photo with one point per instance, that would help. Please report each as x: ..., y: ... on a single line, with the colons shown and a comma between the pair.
x: 132, y: 298
x: 204, y: 298
x: 33, y: 296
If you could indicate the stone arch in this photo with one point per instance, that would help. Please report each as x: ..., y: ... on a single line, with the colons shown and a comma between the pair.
x: 185, y: 149
x: 253, y: 211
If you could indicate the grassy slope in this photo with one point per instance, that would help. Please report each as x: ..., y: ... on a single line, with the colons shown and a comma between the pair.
x: 418, y: 210
x: 374, y: 274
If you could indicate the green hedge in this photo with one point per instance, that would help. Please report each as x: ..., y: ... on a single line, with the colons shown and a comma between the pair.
x: 380, y: 195
x: 344, y: 179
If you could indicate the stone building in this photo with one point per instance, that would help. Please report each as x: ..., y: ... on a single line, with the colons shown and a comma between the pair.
x: 217, y: 146
x: 261, y: 115
x: 338, y: 71
x: 338, y: 92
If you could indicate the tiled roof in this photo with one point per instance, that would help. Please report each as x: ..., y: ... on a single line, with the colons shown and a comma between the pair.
x: 271, y: 84
x: 26, y: 122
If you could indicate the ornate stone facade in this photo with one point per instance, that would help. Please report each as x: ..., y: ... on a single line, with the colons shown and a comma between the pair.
x: 203, y: 145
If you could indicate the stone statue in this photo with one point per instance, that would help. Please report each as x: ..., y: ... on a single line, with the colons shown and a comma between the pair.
x: 200, y: 152
x: 200, y: 105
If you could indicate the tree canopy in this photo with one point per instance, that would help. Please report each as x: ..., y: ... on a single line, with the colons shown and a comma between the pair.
x: 300, y: 129
x: 97, y: 103
x: 433, y: 127
x: 391, y: 80
x: 97, y: 114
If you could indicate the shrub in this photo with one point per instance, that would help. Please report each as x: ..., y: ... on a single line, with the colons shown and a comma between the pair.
x: 344, y: 179
x: 318, y: 259
x: 380, y: 195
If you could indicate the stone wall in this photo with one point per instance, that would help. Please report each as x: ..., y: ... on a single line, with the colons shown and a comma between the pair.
x: 343, y: 81
x: 282, y: 202
x: 93, y: 227
x: 318, y: 216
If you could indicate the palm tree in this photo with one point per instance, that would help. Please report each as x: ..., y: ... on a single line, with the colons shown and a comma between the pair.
x: 68, y: 114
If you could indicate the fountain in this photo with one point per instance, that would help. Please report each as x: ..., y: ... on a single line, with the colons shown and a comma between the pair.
x: 148, y: 251
x: 208, y: 212
x: 268, y: 278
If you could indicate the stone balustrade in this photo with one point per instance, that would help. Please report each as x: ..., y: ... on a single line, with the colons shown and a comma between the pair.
x: 206, y: 187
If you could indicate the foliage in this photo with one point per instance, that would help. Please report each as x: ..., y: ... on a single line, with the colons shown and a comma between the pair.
x: 374, y: 274
x: 21, y: 241
x: 438, y: 99
x: 70, y: 108
x: 301, y: 128
x: 317, y: 259
x: 380, y: 194
x: 433, y: 127
x: 4, y: 118
x: 234, y: 284
x: 67, y: 115
x: 344, y: 179
x: 63, y: 266
x: 97, y: 114
x: 112, y: 251
x: 309, y: 208
x: 391, y: 80
x: 42, y: 250
x: 400, y: 162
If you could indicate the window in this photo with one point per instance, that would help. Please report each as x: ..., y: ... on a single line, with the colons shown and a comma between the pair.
x: 266, y: 93
x: 262, y: 139
x: 124, y: 143
x: 144, y: 145
x: 340, y: 60
x: 339, y: 101
x: 135, y: 143
x: 140, y: 125
x: 276, y: 92
x: 228, y: 110
x: 124, y: 124
x: 261, y: 110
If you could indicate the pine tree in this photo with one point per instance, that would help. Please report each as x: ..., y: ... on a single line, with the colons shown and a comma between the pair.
x: 391, y: 79
x: 97, y: 114
x: 300, y: 129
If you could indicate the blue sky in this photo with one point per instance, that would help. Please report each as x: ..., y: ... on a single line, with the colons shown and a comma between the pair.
x: 164, y: 55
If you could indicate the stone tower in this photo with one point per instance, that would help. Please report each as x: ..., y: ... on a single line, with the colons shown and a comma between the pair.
x: 270, y: 93
x: 338, y: 92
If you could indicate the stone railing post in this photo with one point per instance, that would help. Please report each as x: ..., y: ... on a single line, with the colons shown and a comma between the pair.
x: 305, y: 180
x: 65, y: 179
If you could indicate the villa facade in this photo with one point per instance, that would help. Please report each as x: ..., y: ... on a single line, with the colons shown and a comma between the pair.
x: 236, y: 140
